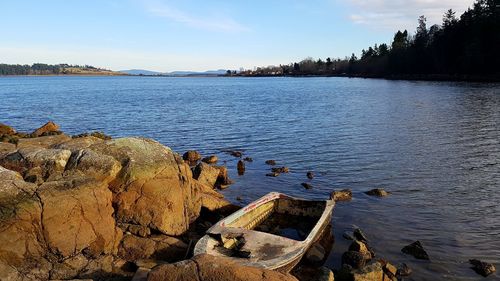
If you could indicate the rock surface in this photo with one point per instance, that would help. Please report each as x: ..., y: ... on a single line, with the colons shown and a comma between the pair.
x: 158, y: 247
x: 209, y: 268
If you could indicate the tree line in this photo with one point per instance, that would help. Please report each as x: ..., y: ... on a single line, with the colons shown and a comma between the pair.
x: 40, y: 69
x: 463, y: 46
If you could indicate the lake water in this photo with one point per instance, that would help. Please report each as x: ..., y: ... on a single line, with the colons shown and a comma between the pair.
x: 434, y: 145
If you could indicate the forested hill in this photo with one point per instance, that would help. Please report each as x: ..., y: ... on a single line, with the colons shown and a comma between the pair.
x: 459, y: 48
x: 59, y: 69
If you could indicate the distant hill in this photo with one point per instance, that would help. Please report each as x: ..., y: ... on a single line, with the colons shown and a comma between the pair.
x: 174, y: 73
x: 140, y: 72
x: 197, y: 73
x: 59, y: 69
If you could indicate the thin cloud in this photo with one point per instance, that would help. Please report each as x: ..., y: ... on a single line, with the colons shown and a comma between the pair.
x: 170, y: 13
x: 401, y: 14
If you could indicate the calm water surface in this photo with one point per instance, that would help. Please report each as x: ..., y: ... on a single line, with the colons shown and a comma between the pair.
x: 435, y: 146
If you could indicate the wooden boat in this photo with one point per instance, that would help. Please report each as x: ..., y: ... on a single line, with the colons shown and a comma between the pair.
x: 273, y: 232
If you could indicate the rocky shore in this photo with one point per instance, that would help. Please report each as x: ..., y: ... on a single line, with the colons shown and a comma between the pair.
x: 92, y: 207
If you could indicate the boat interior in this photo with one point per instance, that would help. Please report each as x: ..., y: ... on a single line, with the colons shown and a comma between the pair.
x: 269, y: 229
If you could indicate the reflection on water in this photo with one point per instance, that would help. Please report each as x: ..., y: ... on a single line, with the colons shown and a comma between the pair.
x: 435, y: 146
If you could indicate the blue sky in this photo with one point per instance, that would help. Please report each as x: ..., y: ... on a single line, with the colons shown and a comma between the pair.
x: 165, y: 35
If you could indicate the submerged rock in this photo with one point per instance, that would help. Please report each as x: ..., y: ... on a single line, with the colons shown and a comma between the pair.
x: 307, y: 185
x: 280, y: 170
x: 482, y: 268
x: 241, y: 167
x: 341, y: 195
x: 347, y: 235
x: 248, y: 159
x: 273, y: 174
x: 417, y: 250
x: 237, y: 154
x: 377, y: 192
x: 310, y: 175
x: 212, y: 159
x: 271, y: 162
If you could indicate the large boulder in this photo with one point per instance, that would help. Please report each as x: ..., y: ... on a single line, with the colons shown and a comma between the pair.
x: 78, y: 215
x: 154, y: 188
x: 209, y: 268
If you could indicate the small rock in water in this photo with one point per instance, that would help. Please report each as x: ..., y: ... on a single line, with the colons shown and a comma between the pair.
x: 236, y: 153
x: 417, y: 250
x: 359, y: 235
x: 47, y: 129
x: 273, y: 174
x: 341, y: 195
x: 241, y: 167
x: 248, y: 159
x: 310, y: 175
x: 347, y: 235
x: 306, y: 185
x: 403, y: 270
x: 482, y: 268
x: 354, y: 259
x: 271, y: 162
x: 212, y: 159
x: 280, y: 170
x: 191, y: 157
x: 239, y: 198
x: 377, y: 192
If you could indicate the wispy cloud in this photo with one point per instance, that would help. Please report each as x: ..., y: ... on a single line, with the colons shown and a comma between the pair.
x: 400, y: 14
x: 219, y: 23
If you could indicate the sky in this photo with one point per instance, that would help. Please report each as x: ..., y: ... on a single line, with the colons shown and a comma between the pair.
x: 168, y: 35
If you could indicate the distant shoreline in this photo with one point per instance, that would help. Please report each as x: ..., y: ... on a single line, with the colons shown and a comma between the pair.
x: 402, y: 77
